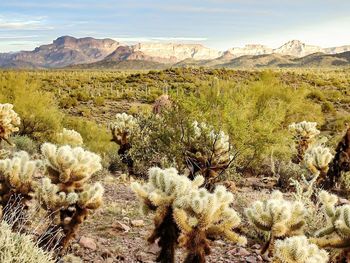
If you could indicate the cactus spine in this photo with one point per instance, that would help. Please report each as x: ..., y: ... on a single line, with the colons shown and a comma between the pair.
x: 17, y: 181
x: 337, y: 232
x: 9, y: 121
x: 65, y: 194
x: 158, y: 195
x: 200, y: 215
x: 70, y: 137
x: 212, y: 160
x: 304, y: 133
x: 122, y: 129
x: 277, y: 216
x: 298, y: 250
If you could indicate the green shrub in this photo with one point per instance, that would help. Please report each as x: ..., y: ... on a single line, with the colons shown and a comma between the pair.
x: 96, y: 137
x: 24, y: 143
x: 68, y: 102
x: 255, y: 114
x: 99, y: 101
x: 39, y: 113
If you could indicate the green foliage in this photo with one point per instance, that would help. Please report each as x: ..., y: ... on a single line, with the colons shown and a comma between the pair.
x: 68, y: 102
x: 24, y: 143
x: 255, y: 115
x: 40, y: 116
x: 96, y: 137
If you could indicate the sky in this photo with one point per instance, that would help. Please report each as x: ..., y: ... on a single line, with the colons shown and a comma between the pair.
x: 220, y: 24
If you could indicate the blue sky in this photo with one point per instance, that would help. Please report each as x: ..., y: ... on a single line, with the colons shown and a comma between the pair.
x: 221, y: 24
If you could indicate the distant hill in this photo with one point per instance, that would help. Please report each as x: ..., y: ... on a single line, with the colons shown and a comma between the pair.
x: 89, y: 52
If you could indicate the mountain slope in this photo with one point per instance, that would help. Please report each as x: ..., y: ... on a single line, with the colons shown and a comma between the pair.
x: 88, y: 52
x: 62, y: 52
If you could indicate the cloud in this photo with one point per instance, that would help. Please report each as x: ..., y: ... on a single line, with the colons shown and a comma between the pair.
x: 6, y: 38
x: 8, y: 23
x: 158, y: 39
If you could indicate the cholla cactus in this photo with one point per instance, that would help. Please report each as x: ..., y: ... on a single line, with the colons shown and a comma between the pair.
x: 317, y: 159
x: 70, y: 137
x: 65, y: 194
x: 208, y: 152
x: 122, y: 129
x: 9, y: 121
x: 277, y: 216
x: 304, y: 133
x: 298, y: 250
x: 337, y: 232
x: 200, y: 215
x: 158, y: 194
x: 71, y: 167
x: 17, y: 179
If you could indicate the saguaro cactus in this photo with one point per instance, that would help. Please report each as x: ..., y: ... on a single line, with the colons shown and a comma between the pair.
x: 65, y: 194
x: 304, y: 133
x: 277, y: 216
x: 298, y: 250
x: 9, y: 121
x: 200, y: 215
x: 158, y: 195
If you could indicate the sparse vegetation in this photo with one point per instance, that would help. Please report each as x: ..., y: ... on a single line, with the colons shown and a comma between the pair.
x: 232, y: 138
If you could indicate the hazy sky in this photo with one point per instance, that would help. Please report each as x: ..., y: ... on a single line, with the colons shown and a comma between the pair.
x: 25, y: 24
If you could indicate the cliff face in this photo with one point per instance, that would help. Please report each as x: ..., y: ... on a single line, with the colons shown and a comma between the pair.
x: 67, y: 51
x: 176, y: 52
x: 62, y: 52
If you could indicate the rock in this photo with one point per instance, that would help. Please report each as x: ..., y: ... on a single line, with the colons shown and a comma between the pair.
x: 137, y: 223
x: 256, y: 246
x: 87, y: 242
x: 251, y: 259
x: 120, y: 226
x: 242, y: 252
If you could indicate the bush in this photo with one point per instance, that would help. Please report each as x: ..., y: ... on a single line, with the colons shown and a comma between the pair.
x: 255, y: 114
x: 99, y: 101
x: 40, y: 116
x: 24, y: 143
x: 20, y: 248
x: 96, y: 138
x: 68, y: 102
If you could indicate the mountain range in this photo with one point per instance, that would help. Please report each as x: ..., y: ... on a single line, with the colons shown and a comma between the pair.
x: 67, y: 51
